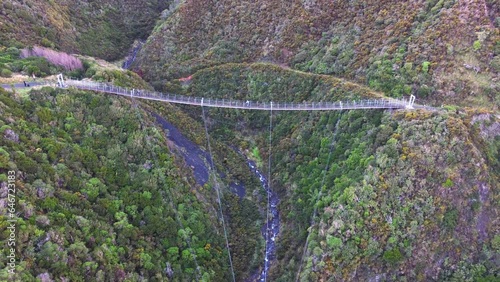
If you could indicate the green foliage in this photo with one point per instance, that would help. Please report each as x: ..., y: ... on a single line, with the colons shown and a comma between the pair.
x: 425, y: 67
x: 5, y: 73
x: 392, y: 256
x: 52, y: 257
x: 82, y: 158
x: 146, y: 261
x: 385, y: 75
x: 119, y: 78
x: 11, y: 62
x: 476, y: 45
x: 450, y: 218
x: 245, y: 236
x: 332, y: 54
x: 102, y: 29
x: 334, y: 242
x: 47, y: 43
x: 495, y: 243
x: 448, y: 183
x: 256, y: 154
x: 93, y: 188
x: 33, y: 70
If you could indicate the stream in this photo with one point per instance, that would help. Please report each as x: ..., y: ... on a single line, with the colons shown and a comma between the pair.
x: 197, y: 160
x: 271, y: 229
x: 132, y: 55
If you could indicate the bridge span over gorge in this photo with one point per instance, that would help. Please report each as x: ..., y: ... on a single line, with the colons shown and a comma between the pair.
x: 383, y: 103
x: 270, y: 232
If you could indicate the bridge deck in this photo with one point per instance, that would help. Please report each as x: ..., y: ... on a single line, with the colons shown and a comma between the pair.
x: 236, y: 104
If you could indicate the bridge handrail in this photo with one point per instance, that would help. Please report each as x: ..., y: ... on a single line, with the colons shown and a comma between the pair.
x: 230, y: 103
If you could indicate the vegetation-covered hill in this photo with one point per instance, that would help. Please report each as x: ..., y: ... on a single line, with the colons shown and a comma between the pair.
x: 99, y: 194
x: 444, y: 51
x: 102, y: 29
x: 377, y: 195
x: 408, y: 195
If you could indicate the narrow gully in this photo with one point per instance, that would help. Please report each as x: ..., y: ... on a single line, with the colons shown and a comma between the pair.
x: 271, y: 227
x: 197, y: 159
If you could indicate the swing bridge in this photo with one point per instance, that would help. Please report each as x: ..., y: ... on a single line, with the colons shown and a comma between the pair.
x: 382, y: 103
x: 366, y: 104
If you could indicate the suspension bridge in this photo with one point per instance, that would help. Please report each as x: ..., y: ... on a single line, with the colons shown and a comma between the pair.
x: 366, y: 104
x: 384, y: 103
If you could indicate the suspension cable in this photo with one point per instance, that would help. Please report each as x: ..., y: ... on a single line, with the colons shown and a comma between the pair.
x: 318, y: 197
x: 217, y: 187
x: 266, y: 262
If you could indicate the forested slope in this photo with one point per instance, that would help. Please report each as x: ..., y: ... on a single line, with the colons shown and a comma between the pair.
x: 103, y: 29
x: 406, y: 195
x: 378, y: 195
x: 99, y: 194
x: 443, y: 51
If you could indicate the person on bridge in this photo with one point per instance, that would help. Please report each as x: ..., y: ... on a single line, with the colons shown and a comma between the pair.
x: 247, y: 103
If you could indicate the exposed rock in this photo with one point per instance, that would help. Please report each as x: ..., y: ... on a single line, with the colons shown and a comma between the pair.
x: 147, y: 165
x: 43, y: 190
x: 44, y: 277
x: 9, y: 134
x: 42, y: 220
x: 3, y: 206
x: 487, y: 129
x: 3, y: 189
x: 169, y: 271
x: 470, y: 67
x: 27, y: 210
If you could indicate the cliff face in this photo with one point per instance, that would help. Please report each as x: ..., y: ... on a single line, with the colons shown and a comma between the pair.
x: 102, y: 29
x: 444, y: 51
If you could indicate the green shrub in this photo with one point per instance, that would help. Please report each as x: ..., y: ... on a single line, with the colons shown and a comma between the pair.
x: 424, y: 91
x: 495, y: 63
x: 448, y: 183
x: 476, y: 45
x: 495, y: 243
x: 425, y: 66
x: 5, y: 73
x: 333, y: 242
x: 450, y: 218
x: 393, y: 256
x: 47, y: 43
x: 13, y: 52
x: 33, y: 70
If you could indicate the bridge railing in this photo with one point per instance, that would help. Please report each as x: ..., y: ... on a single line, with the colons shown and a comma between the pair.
x: 230, y: 103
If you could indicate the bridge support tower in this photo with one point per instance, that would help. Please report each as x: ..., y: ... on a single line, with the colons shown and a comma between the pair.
x: 410, y: 102
x: 60, y: 81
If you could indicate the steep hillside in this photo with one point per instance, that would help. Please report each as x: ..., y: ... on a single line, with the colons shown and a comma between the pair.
x: 102, y: 29
x: 368, y: 195
x: 444, y: 51
x: 407, y: 195
x: 99, y: 194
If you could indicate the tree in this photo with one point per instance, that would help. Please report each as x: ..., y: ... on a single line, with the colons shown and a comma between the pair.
x: 53, y: 257
x: 393, y: 256
x: 93, y: 188
x: 173, y: 254
x: 146, y: 261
